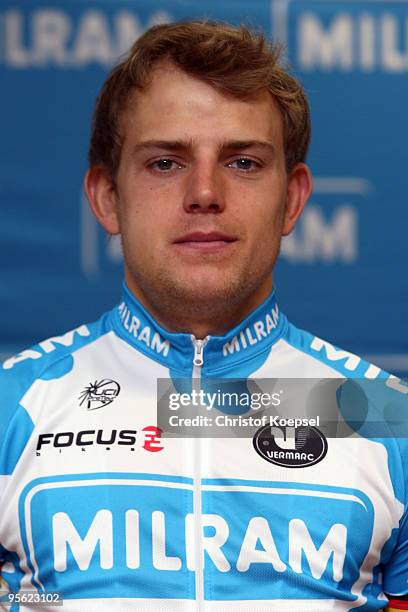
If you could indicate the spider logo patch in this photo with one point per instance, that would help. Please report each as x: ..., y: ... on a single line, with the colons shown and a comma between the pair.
x: 100, y: 393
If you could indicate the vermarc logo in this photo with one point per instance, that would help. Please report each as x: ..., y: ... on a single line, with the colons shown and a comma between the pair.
x: 292, y: 447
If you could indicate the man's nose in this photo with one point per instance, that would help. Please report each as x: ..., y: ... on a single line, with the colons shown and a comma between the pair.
x: 205, y: 189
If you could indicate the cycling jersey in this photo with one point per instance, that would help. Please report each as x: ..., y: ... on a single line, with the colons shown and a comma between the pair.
x: 98, y: 506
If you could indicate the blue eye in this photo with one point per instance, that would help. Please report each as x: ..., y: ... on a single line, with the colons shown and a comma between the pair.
x: 164, y: 165
x: 244, y: 163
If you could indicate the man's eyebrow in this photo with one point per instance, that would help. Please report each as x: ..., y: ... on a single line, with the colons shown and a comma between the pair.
x: 170, y: 145
x: 179, y: 145
x: 247, y: 144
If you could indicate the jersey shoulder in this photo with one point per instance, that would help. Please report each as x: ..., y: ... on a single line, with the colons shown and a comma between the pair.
x: 385, y: 393
x: 371, y: 400
x: 47, y: 360
x: 340, y: 361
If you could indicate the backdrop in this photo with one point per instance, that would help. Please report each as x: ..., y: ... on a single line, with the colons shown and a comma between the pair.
x: 342, y: 274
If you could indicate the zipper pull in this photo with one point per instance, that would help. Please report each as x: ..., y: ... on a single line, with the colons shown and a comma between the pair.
x: 198, y: 359
x: 198, y: 352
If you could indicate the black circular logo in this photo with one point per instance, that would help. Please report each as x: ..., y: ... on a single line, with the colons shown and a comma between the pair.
x: 290, y: 447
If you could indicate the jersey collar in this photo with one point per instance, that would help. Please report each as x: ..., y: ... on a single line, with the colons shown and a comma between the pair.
x: 256, y: 333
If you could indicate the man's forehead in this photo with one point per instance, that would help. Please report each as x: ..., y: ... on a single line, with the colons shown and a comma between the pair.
x: 176, y: 106
x: 166, y: 78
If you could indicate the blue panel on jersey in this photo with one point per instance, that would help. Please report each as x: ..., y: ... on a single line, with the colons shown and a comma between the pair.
x: 18, y: 433
x: 92, y: 531
x: 59, y: 368
x: 313, y: 538
x: 12, y: 389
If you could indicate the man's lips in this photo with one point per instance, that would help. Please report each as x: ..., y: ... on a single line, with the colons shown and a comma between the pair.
x: 203, y: 241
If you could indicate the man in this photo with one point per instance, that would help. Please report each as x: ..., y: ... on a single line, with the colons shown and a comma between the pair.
x: 197, y: 161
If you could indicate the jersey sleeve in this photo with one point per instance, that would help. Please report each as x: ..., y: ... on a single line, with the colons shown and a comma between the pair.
x: 378, y: 409
x: 16, y: 425
x: 394, y: 404
x: 16, y: 428
x: 395, y: 574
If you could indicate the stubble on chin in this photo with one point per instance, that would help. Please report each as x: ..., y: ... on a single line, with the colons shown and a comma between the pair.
x: 181, y: 298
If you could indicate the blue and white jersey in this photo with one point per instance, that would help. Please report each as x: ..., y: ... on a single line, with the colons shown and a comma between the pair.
x: 99, y: 506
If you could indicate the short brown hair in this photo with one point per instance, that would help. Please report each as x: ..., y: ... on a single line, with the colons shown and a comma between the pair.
x: 234, y: 60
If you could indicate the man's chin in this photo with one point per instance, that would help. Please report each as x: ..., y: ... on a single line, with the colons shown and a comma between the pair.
x: 207, y: 292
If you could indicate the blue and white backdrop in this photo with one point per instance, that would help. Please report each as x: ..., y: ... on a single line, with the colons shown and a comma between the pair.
x: 343, y: 274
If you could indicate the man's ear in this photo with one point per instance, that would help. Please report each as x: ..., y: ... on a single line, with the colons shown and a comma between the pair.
x: 299, y: 190
x: 102, y: 197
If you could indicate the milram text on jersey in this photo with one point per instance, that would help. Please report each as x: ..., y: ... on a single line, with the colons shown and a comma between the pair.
x: 97, y: 505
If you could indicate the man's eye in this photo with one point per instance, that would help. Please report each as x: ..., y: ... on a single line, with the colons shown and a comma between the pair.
x: 244, y: 163
x: 164, y: 165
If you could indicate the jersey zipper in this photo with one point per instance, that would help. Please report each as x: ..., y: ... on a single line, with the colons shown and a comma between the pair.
x: 198, y: 362
x: 198, y: 359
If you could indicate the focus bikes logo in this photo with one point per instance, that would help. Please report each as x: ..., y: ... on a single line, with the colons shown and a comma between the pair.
x: 99, y: 394
x: 292, y: 447
x: 149, y: 439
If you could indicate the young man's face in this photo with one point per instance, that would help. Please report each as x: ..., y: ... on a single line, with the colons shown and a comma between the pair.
x: 202, y: 194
